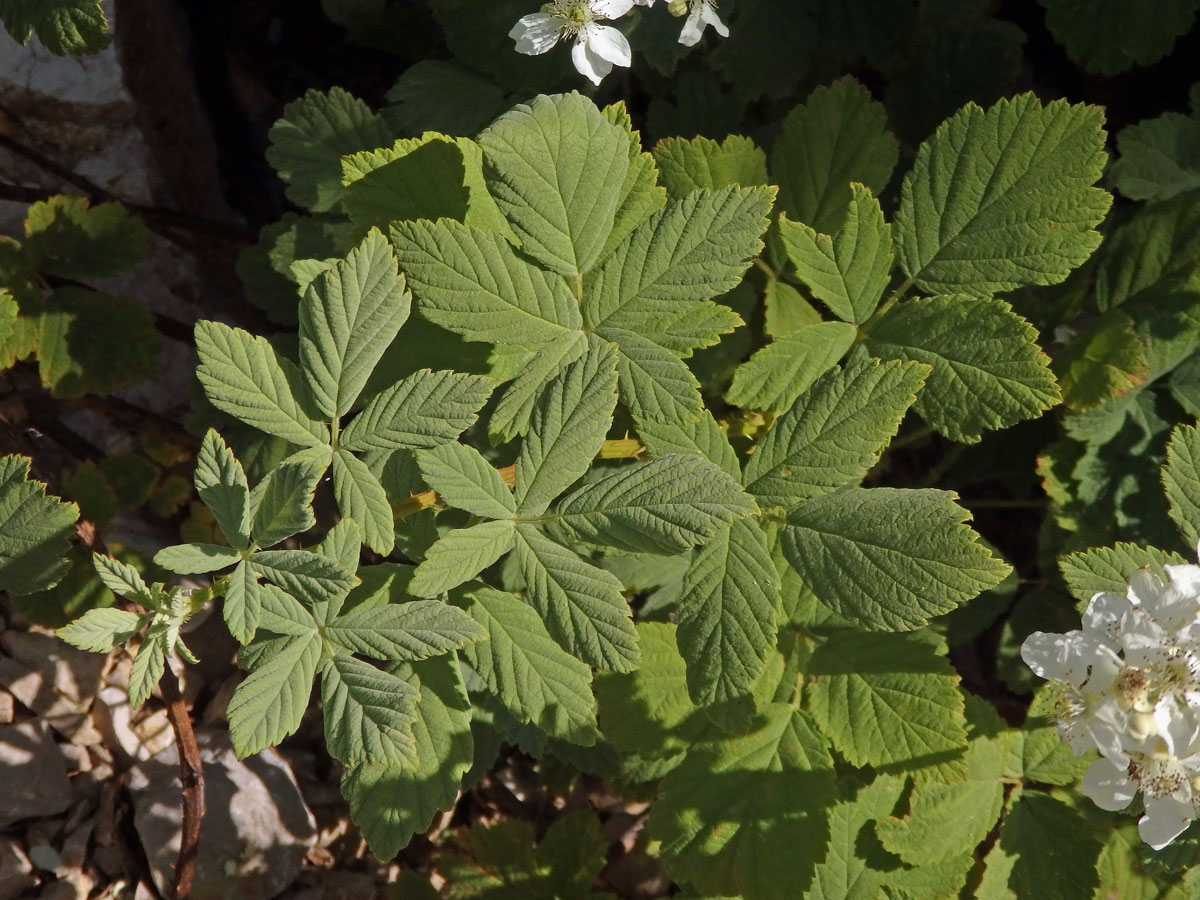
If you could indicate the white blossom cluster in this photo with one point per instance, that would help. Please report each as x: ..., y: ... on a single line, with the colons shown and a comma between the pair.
x: 599, y: 47
x: 1128, y: 684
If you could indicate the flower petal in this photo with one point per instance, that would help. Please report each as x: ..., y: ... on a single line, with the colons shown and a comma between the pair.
x: 536, y: 33
x: 1108, y: 786
x: 1177, y: 726
x: 1165, y: 819
x: 589, y: 64
x: 1145, y: 589
x: 1070, y: 657
x: 614, y: 9
x: 693, y: 28
x: 1103, y: 614
x: 709, y: 14
x: 608, y: 43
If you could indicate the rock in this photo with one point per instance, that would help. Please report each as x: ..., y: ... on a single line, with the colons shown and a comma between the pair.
x: 256, y: 831
x: 16, y: 872
x: 33, y: 774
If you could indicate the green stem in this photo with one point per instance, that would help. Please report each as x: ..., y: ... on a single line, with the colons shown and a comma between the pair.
x: 335, y: 432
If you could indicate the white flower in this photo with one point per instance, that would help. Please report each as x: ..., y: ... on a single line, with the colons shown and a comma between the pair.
x: 597, y: 47
x: 1128, y: 685
x: 701, y: 13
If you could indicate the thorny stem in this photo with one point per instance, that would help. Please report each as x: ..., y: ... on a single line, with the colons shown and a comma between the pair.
x: 191, y: 777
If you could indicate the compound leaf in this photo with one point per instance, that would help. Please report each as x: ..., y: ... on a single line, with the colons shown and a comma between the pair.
x: 654, y: 382
x: 281, y: 504
x: 244, y: 377
x: 100, y: 630
x: 460, y: 555
x: 774, y: 377
x: 360, y: 496
x: 703, y: 164
x: 309, y: 577
x: 405, y: 631
x: 887, y: 558
x: 195, y: 559
x: 464, y: 479
x: 424, y: 409
x: 1004, y: 197
x: 704, y: 438
x: 1181, y: 478
x: 148, y: 665
x: 221, y: 483
x: 35, y: 531
x: 243, y: 603
x: 123, y: 580
x: 512, y: 413
x: 369, y: 713
x: 269, y: 703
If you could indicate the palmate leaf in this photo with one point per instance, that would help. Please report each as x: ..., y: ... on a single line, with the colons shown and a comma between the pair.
x: 444, y: 753
x: 471, y: 282
x: 527, y: 671
x: 1181, y: 478
x: 460, y: 555
x: 369, y: 713
x: 838, y: 136
x: 703, y: 164
x: 567, y: 428
x: 727, y: 611
x: 424, y: 409
x: 221, y: 483
x: 35, y: 530
x: 774, y: 377
x: 244, y: 377
x: 348, y: 317
x: 725, y: 811
x: 268, y: 704
x: 308, y: 143
x: 1108, y: 569
x: 665, y: 506
x: 886, y: 700
x: 834, y: 433
x: 464, y: 479
x: 556, y: 167
x: 65, y: 27
x: 987, y: 370
x: 849, y: 271
x: 360, y: 496
x: 408, y: 631
x: 583, y: 606
x: 887, y: 558
x: 1004, y: 197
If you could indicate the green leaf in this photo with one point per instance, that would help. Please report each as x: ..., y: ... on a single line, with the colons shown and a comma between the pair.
x: 460, y: 555
x: 65, y: 27
x: 582, y: 606
x: 308, y: 143
x: 35, y: 531
x: 269, y: 703
x: 532, y: 677
x: 349, y: 316
x: 148, y: 665
x: 1108, y: 569
x: 724, y: 813
x: 703, y: 164
x: 567, y: 429
x: 472, y: 282
x: 243, y: 603
x: 665, y: 506
x: 283, y: 614
x: 727, y: 610
x: 774, y: 377
x: 654, y: 383
x: 196, y: 559
x: 425, y: 409
x: 404, y: 631
x: 464, y: 479
x: 556, y: 168
x: 307, y: 576
x: 1108, y: 36
x: 1159, y: 157
x: 69, y: 238
x: 886, y: 699
x: 281, y: 504
x: 988, y: 371
x: 1181, y: 478
x: 244, y: 377
x: 512, y: 414
x: 1046, y: 864
x: 444, y: 96
x: 943, y: 820
x: 887, y: 558
x: 640, y: 194
x: 834, y: 433
x: 1159, y: 245
x: 444, y: 753
x: 838, y: 136
x: 691, y: 250
x: 221, y: 483
x: 123, y: 580
x: 1104, y: 362
x: 703, y: 437
x: 849, y: 271
x: 415, y: 178
x: 100, y: 630
x: 1004, y: 197
x: 369, y: 714
x: 360, y: 496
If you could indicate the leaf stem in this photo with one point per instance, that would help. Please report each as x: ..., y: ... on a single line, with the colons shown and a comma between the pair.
x: 191, y: 778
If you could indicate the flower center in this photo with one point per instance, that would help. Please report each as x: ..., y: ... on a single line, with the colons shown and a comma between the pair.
x: 576, y: 14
